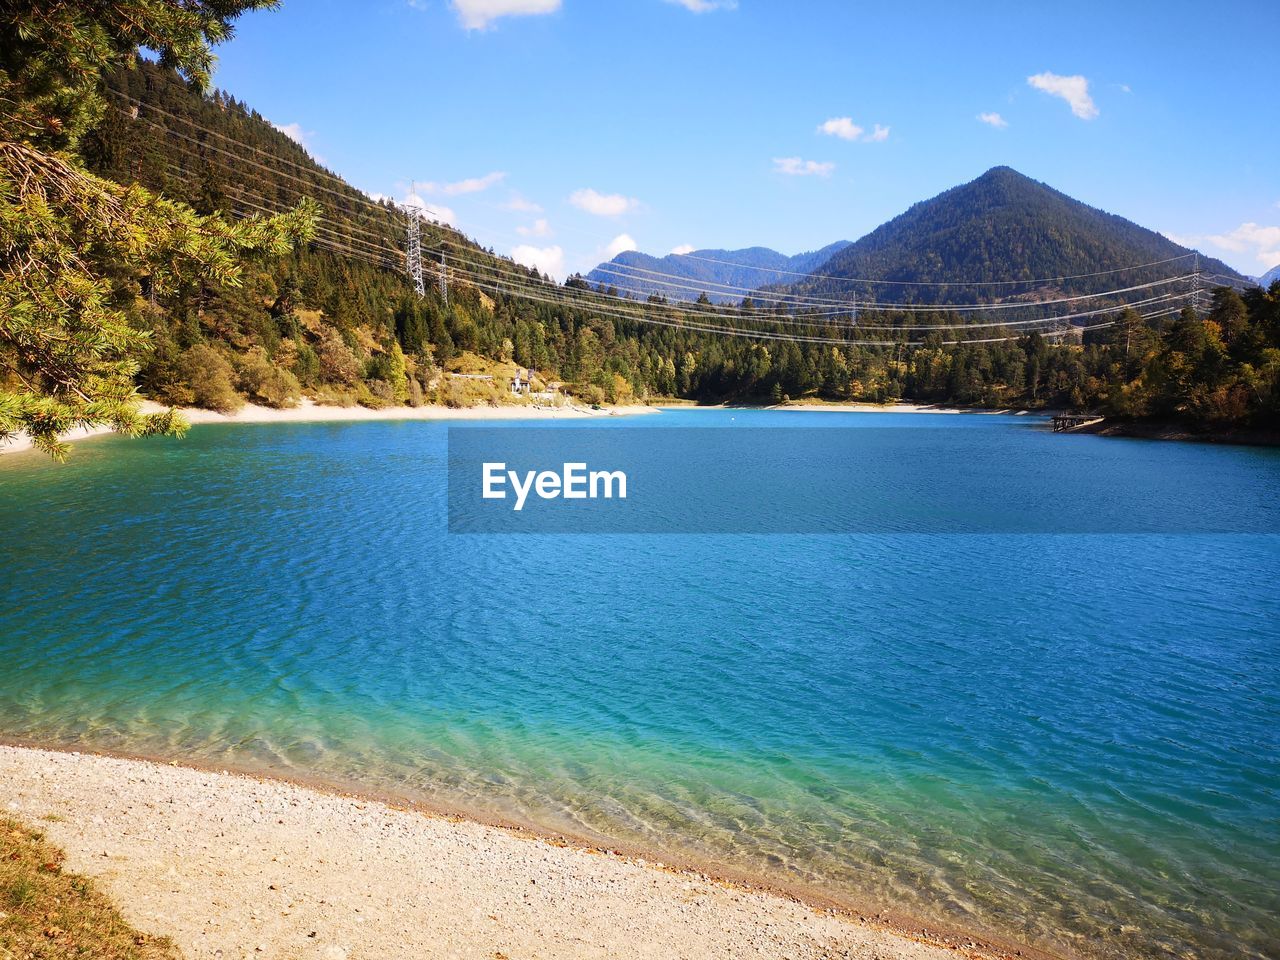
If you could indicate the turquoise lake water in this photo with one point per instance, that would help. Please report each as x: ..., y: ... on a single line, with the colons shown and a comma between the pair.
x: 1069, y: 739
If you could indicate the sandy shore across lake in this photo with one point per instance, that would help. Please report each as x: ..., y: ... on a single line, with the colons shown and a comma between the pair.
x: 309, y: 412
x: 850, y: 408
x: 234, y: 866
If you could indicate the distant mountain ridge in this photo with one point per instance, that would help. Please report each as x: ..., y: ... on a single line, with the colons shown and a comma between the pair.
x: 1002, y: 226
x: 706, y: 271
x: 1270, y: 277
x: 964, y: 245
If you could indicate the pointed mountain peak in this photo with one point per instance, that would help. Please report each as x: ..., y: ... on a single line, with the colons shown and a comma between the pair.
x: 1001, y: 227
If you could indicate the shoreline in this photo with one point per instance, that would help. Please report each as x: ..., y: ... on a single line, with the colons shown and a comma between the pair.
x: 96, y: 783
x: 1173, y: 431
x: 852, y: 406
x: 308, y: 411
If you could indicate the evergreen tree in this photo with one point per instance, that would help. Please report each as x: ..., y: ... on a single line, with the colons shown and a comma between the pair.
x: 78, y: 252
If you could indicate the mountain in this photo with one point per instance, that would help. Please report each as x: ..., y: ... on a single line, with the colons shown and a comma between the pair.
x: 1270, y: 277
x: 706, y: 271
x: 338, y: 320
x: 1002, y: 226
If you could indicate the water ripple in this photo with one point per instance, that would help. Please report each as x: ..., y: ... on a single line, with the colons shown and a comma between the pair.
x: 1074, y: 740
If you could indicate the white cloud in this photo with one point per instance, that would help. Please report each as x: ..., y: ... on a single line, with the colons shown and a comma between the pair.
x: 706, y: 6
x: 993, y: 120
x: 842, y: 127
x: 846, y: 129
x: 1262, y: 242
x: 546, y: 259
x: 620, y: 244
x: 295, y: 133
x: 470, y: 185
x: 1125, y: 88
x: 478, y: 14
x: 1074, y: 90
x: 432, y: 211
x: 519, y: 204
x: 1248, y: 239
x: 796, y: 167
x: 301, y: 137
x: 602, y: 204
x: 684, y: 248
x: 443, y: 214
x: 540, y: 228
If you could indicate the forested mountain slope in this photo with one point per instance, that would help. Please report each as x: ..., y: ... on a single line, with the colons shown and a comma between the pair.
x: 338, y: 319
x: 157, y: 238
x: 1001, y: 227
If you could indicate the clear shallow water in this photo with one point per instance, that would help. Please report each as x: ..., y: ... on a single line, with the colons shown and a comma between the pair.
x: 1070, y: 739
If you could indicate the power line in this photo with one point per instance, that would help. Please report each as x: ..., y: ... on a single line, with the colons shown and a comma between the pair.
x: 351, y: 196
x: 350, y: 193
x: 323, y: 226
x: 312, y: 169
x: 958, y: 308
x: 896, y: 327
x: 415, y: 262
x: 344, y: 246
x: 771, y: 336
x: 933, y: 283
x: 498, y: 287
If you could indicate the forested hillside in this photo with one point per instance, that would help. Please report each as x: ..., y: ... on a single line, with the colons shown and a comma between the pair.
x: 337, y: 318
x: 331, y: 319
x: 719, y: 275
x: 967, y: 243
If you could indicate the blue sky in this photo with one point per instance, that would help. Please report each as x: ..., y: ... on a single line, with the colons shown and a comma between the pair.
x: 561, y: 131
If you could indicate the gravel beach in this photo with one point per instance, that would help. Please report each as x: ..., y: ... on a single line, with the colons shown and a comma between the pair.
x: 234, y: 866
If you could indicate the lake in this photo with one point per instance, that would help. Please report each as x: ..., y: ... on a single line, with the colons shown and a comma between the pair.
x: 1056, y: 733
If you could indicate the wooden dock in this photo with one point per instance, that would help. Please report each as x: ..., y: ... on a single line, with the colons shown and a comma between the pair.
x: 1064, y: 422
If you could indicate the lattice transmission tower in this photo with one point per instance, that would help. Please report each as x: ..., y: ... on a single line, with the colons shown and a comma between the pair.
x: 1195, y: 283
x: 413, y: 248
